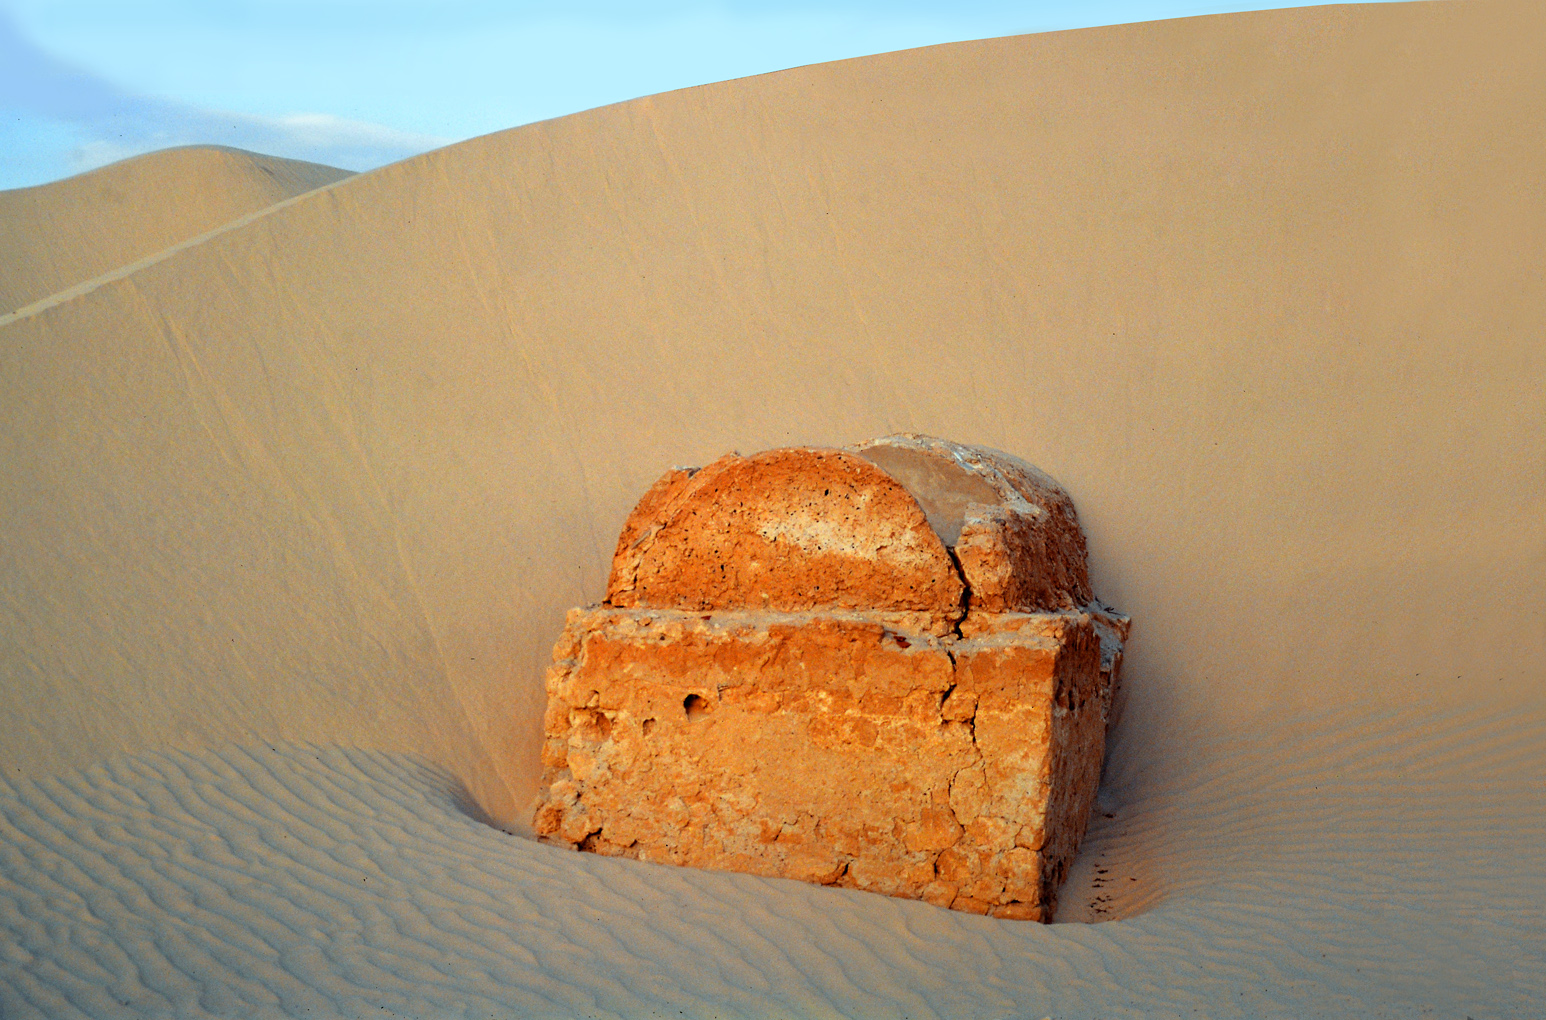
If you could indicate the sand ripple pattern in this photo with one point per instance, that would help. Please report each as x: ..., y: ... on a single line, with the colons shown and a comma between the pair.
x: 1350, y: 865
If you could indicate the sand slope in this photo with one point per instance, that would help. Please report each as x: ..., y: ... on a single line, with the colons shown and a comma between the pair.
x: 1263, y: 291
x: 55, y: 236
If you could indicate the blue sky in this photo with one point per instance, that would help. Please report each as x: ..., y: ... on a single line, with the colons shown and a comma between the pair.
x: 361, y: 83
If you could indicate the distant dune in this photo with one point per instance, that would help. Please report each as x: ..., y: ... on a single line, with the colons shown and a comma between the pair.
x: 55, y: 236
x: 291, y: 517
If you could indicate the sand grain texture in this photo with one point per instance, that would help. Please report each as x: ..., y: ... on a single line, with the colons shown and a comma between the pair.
x: 1262, y: 290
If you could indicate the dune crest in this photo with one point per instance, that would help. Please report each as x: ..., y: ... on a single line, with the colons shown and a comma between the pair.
x: 56, y: 236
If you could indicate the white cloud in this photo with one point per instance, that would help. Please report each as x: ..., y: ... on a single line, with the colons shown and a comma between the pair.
x: 97, y: 153
x: 107, y: 123
x: 317, y: 137
x: 324, y: 129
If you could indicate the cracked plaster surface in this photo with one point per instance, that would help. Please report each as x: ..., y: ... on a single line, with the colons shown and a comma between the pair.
x: 793, y: 676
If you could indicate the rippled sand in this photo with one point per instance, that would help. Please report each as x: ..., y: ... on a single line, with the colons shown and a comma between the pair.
x: 1337, y: 866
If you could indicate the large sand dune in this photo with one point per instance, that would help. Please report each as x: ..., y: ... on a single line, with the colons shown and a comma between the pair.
x: 1263, y: 291
x: 57, y: 236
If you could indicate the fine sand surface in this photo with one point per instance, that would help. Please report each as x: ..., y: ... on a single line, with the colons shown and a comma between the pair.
x: 291, y: 517
x: 59, y: 235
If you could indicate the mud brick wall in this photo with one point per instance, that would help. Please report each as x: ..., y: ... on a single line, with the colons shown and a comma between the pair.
x: 793, y: 676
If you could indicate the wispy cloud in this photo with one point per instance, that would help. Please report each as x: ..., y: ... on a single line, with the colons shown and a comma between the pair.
x: 112, y: 123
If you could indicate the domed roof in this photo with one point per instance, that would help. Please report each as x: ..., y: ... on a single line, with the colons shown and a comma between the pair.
x: 902, y: 525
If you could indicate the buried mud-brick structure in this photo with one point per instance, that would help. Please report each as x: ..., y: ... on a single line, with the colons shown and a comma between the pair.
x: 879, y: 667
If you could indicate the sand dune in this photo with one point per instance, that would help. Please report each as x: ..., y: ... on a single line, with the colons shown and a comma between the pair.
x: 55, y: 236
x: 1263, y: 291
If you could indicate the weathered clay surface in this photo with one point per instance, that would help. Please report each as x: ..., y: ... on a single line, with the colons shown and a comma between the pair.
x: 1013, y: 529
x: 786, y: 530
x: 830, y: 749
x: 793, y: 677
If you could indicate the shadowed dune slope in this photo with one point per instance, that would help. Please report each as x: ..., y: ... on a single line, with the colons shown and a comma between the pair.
x: 55, y: 236
x: 1263, y: 291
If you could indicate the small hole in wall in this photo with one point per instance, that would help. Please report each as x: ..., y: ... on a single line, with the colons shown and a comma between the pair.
x: 696, y: 707
x: 649, y: 726
x: 598, y: 721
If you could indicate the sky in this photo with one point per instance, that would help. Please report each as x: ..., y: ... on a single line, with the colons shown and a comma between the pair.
x: 361, y: 83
